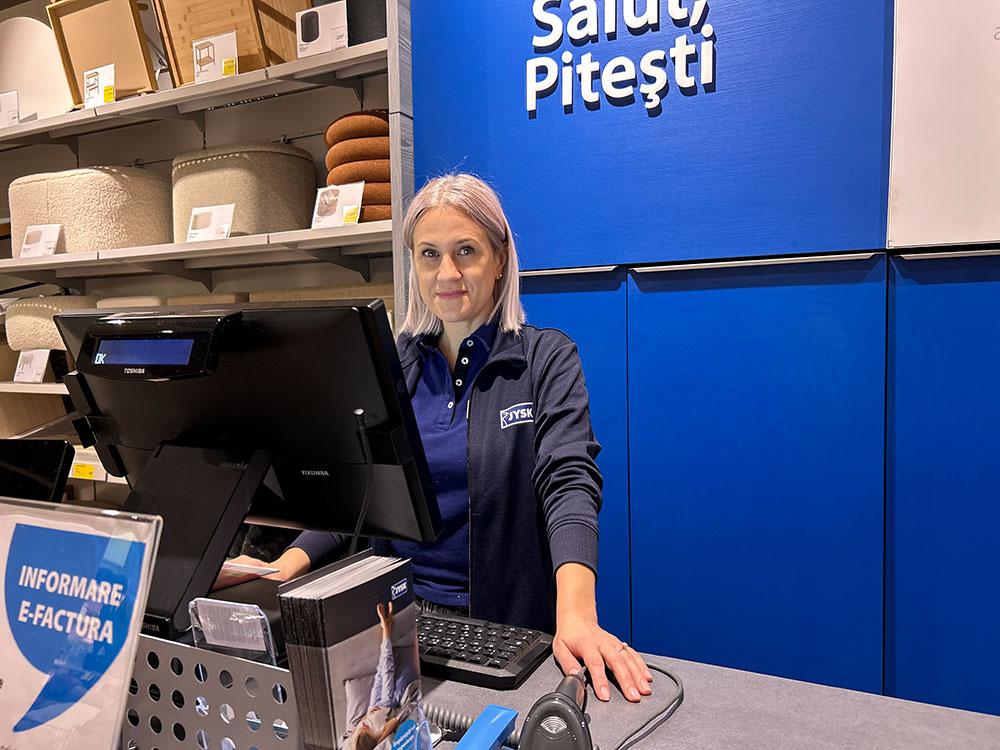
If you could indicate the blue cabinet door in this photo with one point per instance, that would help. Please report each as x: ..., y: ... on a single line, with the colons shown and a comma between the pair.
x: 943, y: 490
x: 756, y: 426
x: 590, y: 309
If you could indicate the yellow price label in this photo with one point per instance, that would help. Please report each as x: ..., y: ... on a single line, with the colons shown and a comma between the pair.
x: 82, y: 471
x: 109, y: 94
x: 352, y: 214
x: 228, y: 67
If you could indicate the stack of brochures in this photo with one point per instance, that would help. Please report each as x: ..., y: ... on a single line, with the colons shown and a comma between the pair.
x: 351, y: 635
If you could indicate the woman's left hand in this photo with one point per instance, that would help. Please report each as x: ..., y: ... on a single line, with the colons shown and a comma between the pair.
x: 580, y: 639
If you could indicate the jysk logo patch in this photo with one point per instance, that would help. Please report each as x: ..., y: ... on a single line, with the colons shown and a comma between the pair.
x: 517, y: 414
x: 398, y: 589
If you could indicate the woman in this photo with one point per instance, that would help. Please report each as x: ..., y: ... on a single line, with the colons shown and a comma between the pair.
x: 504, y: 418
x: 388, y: 703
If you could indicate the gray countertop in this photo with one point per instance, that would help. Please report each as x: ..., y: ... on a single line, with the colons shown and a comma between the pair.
x: 727, y: 708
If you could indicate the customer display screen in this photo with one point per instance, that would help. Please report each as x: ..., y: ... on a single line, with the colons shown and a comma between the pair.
x: 149, y: 352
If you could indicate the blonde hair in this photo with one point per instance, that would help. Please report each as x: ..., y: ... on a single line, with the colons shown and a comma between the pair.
x: 479, y: 202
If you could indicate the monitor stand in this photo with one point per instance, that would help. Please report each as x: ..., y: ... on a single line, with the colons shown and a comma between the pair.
x: 203, y: 496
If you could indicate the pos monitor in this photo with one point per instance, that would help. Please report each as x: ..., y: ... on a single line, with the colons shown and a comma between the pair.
x: 287, y: 414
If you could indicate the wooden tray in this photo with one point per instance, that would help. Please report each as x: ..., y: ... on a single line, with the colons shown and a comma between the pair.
x: 92, y: 33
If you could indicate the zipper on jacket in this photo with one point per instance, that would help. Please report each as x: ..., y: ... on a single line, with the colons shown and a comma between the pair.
x: 468, y: 476
x: 468, y: 466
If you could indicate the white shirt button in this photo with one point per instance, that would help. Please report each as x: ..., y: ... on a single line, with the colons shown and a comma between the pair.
x: 459, y: 382
x: 451, y: 404
x: 465, y: 360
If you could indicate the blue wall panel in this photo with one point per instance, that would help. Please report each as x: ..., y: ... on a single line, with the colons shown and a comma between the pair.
x: 788, y: 153
x: 943, y: 519
x: 591, y: 310
x: 757, y: 468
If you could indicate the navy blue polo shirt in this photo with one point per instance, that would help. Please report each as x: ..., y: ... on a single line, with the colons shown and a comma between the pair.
x: 440, y: 405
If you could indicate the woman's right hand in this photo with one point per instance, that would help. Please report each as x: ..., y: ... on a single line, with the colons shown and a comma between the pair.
x: 292, y: 563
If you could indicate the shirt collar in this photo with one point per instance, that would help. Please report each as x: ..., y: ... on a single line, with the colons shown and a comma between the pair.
x: 484, y: 336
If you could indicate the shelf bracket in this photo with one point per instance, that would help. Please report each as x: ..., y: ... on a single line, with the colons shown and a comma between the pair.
x: 72, y: 142
x: 178, y: 269
x: 336, y: 256
x: 332, y: 79
x: 198, y: 118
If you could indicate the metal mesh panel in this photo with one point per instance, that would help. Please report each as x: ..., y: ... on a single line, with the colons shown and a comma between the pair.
x: 183, y: 697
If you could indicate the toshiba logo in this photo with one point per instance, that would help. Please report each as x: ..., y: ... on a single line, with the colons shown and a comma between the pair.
x: 135, y: 370
x: 314, y: 473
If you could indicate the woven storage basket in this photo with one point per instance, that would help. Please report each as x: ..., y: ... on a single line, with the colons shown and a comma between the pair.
x: 99, y: 207
x: 358, y: 292
x: 273, y: 186
x: 30, y: 323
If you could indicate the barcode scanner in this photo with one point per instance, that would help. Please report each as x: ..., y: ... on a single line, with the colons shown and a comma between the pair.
x: 557, y: 720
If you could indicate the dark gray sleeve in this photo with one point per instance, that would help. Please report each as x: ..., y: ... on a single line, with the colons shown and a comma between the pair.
x: 321, y: 546
x: 566, y: 478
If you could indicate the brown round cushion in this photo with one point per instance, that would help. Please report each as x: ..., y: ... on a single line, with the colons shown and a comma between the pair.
x: 364, y: 124
x: 377, y: 194
x: 357, y: 149
x: 376, y: 213
x: 371, y: 170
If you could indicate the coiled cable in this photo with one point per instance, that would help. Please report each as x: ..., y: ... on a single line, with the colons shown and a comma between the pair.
x: 458, y: 723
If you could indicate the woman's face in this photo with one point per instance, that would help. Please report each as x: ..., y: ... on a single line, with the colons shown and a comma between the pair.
x: 456, y: 267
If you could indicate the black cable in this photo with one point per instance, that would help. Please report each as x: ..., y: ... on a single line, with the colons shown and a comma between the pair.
x: 456, y: 722
x: 362, y: 430
x: 659, y: 719
x: 21, y: 288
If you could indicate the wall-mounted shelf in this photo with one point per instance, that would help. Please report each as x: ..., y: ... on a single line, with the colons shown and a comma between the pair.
x: 350, y: 246
x: 343, y: 67
x: 37, y: 389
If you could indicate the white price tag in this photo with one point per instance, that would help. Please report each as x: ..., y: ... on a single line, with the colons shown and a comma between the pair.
x: 99, y: 86
x: 40, y: 240
x: 31, y: 364
x: 215, y: 57
x: 9, y: 114
x: 321, y: 29
x: 211, y: 222
x: 337, y: 205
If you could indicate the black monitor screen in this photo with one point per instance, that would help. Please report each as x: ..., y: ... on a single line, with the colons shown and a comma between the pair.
x: 282, y: 377
x: 34, y: 469
x: 216, y: 412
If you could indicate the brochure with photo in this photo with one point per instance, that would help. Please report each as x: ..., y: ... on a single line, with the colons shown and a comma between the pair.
x: 351, y: 637
x: 75, y: 583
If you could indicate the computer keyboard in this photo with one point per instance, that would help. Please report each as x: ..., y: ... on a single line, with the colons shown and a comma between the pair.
x: 477, y: 652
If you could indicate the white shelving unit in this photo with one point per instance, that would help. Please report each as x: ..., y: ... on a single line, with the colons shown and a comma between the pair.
x: 344, y: 67
x: 380, y: 69
x: 37, y: 389
x: 351, y: 247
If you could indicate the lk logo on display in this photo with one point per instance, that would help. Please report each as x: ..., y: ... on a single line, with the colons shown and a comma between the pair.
x: 688, y: 62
